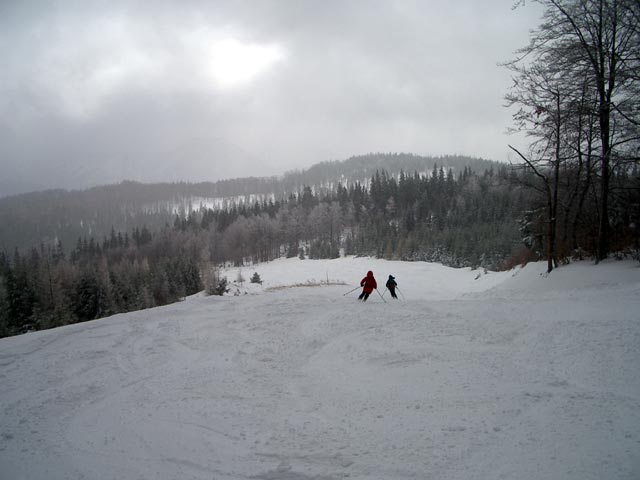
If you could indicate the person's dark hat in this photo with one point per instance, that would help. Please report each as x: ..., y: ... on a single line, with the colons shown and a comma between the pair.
x: 392, y: 277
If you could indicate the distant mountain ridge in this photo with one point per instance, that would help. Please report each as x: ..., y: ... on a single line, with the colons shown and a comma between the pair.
x: 65, y: 215
x: 193, y: 160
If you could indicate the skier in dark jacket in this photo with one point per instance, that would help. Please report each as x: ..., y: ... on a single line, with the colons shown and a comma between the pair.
x: 391, y: 285
x: 368, y: 284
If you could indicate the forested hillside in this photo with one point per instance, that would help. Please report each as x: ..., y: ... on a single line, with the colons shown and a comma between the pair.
x: 491, y: 218
x: 64, y: 216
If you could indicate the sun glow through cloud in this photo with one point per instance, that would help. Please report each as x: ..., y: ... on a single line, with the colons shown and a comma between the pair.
x: 233, y: 63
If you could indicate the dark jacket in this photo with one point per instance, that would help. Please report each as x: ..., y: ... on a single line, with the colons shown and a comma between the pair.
x: 391, y: 283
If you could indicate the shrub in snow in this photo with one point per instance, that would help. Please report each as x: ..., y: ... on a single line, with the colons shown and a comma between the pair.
x: 214, y: 284
x: 221, y: 287
x: 256, y: 278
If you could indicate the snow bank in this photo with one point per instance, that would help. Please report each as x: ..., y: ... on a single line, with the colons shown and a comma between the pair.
x: 419, y: 280
x: 511, y: 375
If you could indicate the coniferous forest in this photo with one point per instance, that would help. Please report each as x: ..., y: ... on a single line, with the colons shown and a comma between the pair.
x: 489, y: 219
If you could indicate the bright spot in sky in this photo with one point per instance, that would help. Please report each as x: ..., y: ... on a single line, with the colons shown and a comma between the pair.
x: 233, y: 63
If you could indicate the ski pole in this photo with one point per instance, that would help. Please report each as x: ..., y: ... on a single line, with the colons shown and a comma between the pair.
x: 401, y: 293
x: 385, y: 291
x: 350, y: 291
x: 381, y: 296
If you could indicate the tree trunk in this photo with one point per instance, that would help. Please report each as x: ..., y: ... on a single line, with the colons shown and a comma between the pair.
x: 603, y: 230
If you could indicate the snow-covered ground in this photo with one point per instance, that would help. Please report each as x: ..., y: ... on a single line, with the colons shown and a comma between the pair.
x: 471, y: 375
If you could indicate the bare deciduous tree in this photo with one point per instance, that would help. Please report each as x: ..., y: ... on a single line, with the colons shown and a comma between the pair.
x: 591, y: 47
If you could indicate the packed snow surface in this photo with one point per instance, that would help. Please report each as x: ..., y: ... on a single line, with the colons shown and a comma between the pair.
x: 469, y: 375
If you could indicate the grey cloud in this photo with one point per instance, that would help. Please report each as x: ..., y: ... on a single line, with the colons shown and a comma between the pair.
x: 96, y: 92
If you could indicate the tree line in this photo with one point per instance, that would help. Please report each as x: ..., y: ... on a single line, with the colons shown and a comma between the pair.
x: 47, y: 288
x: 577, y: 89
x: 63, y: 216
x: 472, y: 219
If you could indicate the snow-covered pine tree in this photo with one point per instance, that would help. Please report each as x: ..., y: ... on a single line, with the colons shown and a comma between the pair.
x: 255, y: 278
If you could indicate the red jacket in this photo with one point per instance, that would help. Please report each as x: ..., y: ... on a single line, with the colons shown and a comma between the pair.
x: 368, y: 282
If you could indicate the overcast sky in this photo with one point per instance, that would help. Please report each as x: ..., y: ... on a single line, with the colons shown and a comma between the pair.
x: 97, y: 92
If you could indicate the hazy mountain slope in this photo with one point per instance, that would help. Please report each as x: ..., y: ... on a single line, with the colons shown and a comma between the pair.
x: 69, y: 214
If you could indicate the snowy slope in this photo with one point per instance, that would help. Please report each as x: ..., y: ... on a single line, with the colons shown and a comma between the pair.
x: 511, y: 375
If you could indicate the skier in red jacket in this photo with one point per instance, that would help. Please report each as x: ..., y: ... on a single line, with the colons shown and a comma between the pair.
x: 368, y: 284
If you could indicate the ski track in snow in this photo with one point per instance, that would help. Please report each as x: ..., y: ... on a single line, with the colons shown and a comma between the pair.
x: 474, y: 376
